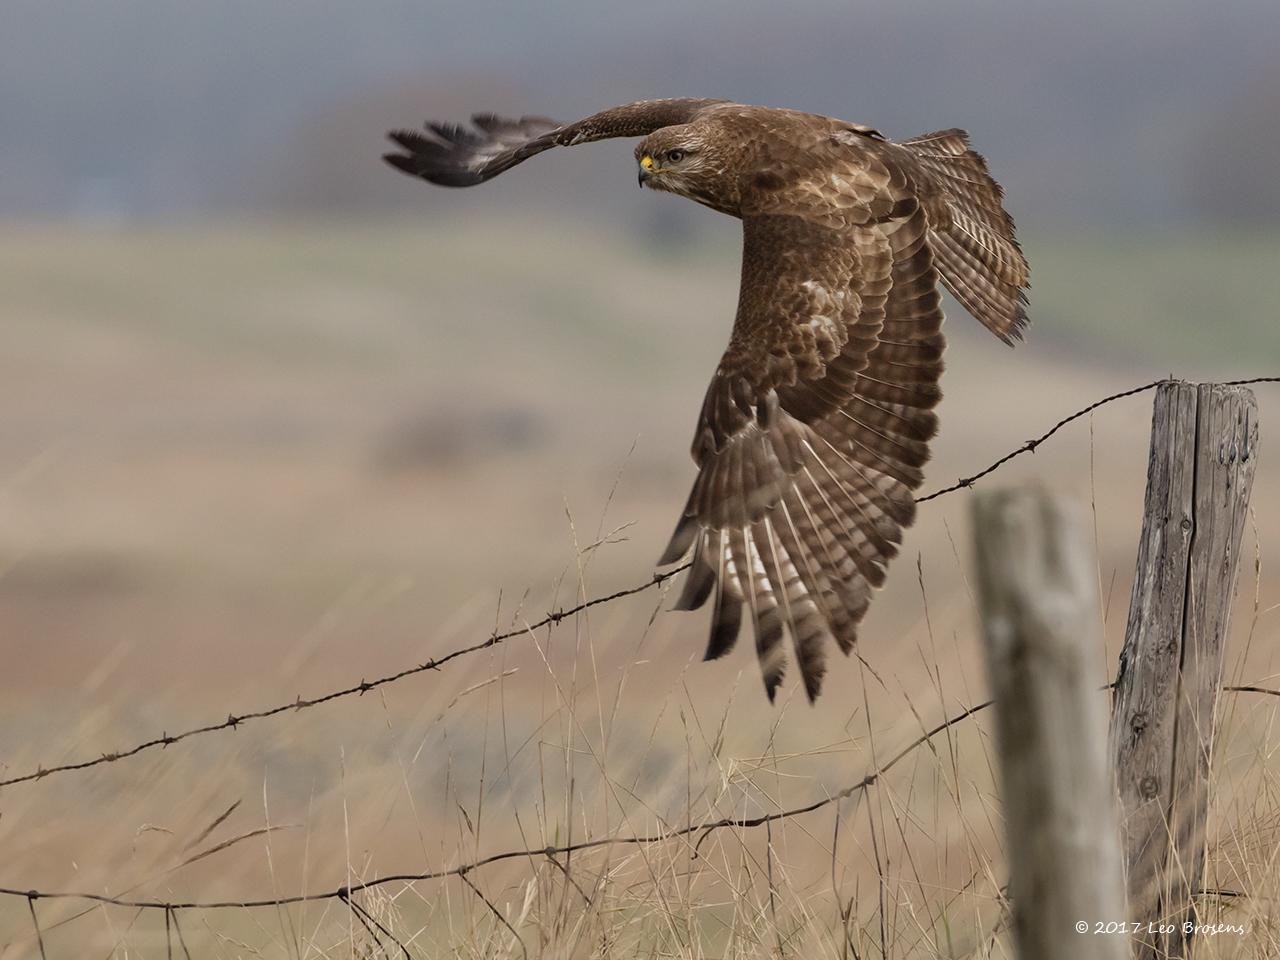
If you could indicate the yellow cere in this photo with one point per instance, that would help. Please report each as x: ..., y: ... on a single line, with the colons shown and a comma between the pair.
x: 647, y: 162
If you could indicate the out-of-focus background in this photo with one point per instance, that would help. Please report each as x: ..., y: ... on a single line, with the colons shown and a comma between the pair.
x: 276, y: 418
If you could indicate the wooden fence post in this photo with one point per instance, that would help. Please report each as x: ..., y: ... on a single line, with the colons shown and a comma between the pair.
x: 1038, y: 598
x: 1204, y: 442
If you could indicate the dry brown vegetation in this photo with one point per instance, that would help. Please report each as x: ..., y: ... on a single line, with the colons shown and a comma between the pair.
x: 243, y: 464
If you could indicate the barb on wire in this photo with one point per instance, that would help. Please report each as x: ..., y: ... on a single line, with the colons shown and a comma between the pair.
x: 364, y: 686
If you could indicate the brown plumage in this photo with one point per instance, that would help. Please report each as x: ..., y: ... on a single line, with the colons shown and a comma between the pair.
x: 816, y: 426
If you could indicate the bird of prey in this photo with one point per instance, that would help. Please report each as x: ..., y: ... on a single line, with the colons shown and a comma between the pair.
x: 817, y: 422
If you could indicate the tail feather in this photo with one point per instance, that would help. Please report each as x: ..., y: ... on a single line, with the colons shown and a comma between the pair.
x: 975, y: 248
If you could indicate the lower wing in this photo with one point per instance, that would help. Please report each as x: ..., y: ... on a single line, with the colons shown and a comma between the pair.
x: 808, y: 448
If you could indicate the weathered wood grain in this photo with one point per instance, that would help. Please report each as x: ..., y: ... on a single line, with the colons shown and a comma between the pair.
x: 1038, y: 598
x: 1204, y: 442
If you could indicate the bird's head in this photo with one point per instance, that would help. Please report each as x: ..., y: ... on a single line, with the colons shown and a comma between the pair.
x: 683, y: 160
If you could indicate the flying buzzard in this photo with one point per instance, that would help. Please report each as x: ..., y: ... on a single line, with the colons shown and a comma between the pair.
x: 817, y: 421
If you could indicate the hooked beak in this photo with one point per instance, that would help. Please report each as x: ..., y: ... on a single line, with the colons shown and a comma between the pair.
x: 646, y: 169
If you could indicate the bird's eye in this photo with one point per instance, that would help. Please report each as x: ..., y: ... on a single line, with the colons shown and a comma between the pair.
x: 675, y: 156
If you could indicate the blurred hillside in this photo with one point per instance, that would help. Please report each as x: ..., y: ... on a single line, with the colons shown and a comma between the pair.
x: 1093, y: 112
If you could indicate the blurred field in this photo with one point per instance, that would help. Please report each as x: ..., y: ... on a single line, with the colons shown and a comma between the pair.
x: 243, y: 463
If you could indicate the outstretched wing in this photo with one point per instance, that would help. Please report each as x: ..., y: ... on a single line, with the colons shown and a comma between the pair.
x: 817, y: 422
x: 973, y: 241
x: 454, y: 156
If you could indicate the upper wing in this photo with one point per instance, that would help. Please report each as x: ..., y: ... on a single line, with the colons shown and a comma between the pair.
x: 817, y: 422
x: 972, y: 235
x: 453, y: 156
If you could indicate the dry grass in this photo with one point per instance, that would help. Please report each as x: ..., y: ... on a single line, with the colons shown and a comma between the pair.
x: 213, y: 497
x: 910, y: 867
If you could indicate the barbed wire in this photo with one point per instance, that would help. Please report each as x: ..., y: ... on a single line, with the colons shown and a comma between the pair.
x: 1030, y: 445
x: 357, y: 689
x: 345, y: 892
x: 706, y: 828
x: 364, y: 686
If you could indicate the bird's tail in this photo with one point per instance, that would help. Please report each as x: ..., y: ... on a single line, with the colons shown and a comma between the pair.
x: 976, y: 252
